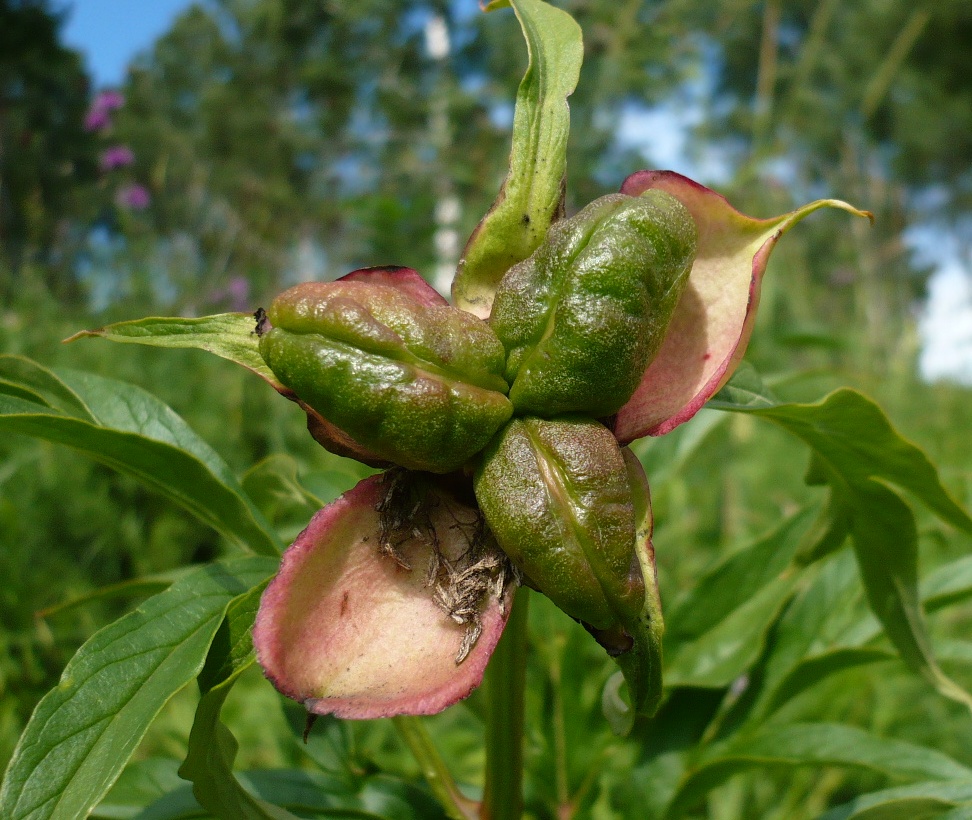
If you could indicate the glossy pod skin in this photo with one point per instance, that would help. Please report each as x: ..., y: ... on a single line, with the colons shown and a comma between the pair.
x: 419, y: 385
x: 557, y: 496
x: 582, y: 318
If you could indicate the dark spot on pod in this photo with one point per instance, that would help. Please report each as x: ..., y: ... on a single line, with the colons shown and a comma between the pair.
x: 615, y: 640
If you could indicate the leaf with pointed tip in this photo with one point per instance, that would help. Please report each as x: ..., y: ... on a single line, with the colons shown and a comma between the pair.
x: 860, y: 454
x: 532, y: 195
x: 947, y: 585
x: 83, y: 732
x: 228, y: 335
x: 886, y: 543
x: 130, y: 430
x: 350, y: 629
x: 852, y: 436
x: 714, y: 318
x: 233, y: 336
x: 812, y: 744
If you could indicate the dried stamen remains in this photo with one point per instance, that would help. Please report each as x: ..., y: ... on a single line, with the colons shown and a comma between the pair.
x: 463, y: 581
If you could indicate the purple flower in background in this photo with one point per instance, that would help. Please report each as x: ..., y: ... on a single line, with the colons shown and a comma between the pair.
x: 116, y: 156
x: 239, y: 293
x: 96, y: 120
x: 134, y: 196
x: 99, y: 115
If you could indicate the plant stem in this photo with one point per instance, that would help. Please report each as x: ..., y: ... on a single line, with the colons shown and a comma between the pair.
x: 413, y: 732
x: 505, y: 692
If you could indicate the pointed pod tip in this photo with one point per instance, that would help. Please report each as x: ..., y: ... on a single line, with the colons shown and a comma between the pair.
x: 714, y: 318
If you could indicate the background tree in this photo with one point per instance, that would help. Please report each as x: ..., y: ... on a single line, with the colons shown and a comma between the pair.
x: 46, y: 158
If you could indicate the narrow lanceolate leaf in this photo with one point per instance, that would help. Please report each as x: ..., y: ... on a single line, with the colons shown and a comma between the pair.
x: 212, y: 747
x: 130, y: 430
x: 83, y: 732
x: 813, y: 744
x: 532, y: 195
x: 862, y: 457
x: 228, y: 335
x: 714, y: 317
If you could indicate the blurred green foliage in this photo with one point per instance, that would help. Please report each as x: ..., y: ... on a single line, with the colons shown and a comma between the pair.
x: 283, y: 140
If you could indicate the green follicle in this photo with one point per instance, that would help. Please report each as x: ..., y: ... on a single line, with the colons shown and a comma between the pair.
x: 556, y: 496
x: 583, y: 317
x: 420, y: 386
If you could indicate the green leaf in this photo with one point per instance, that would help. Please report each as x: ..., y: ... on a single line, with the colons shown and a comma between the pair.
x: 130, y: 430
x: 854, y: 438
x: 228, y: 335
x: 141, y: 784
x: 212, y: 747
x: 948, y: 584
x: 886, y: 543
x: 914, y: 802
x: 83, y: 732
x: 730, y: 648
x: 532, y: 195
x: 814, y: 669
x: 859, y: 453
x: 133, y: 588
x: 26, y: 378
x: 281, y: 496
x: 813, y: 744
x: 813, y: 624
x: 798, y: 660
x: 379, y: 797
x: 717, y: 631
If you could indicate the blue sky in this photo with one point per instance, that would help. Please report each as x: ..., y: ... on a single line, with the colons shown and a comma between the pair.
x: 111, y: 32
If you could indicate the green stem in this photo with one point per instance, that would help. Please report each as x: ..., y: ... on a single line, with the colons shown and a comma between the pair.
x: 413, y: 732
x: 505, y: 692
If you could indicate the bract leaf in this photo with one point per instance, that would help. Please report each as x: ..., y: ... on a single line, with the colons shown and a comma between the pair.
x: 532, y: 195
x: 350, y: 629
x: 714, y: 318
x: 83, y: 732
x: 130, y: 430
x: 228, y: 335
